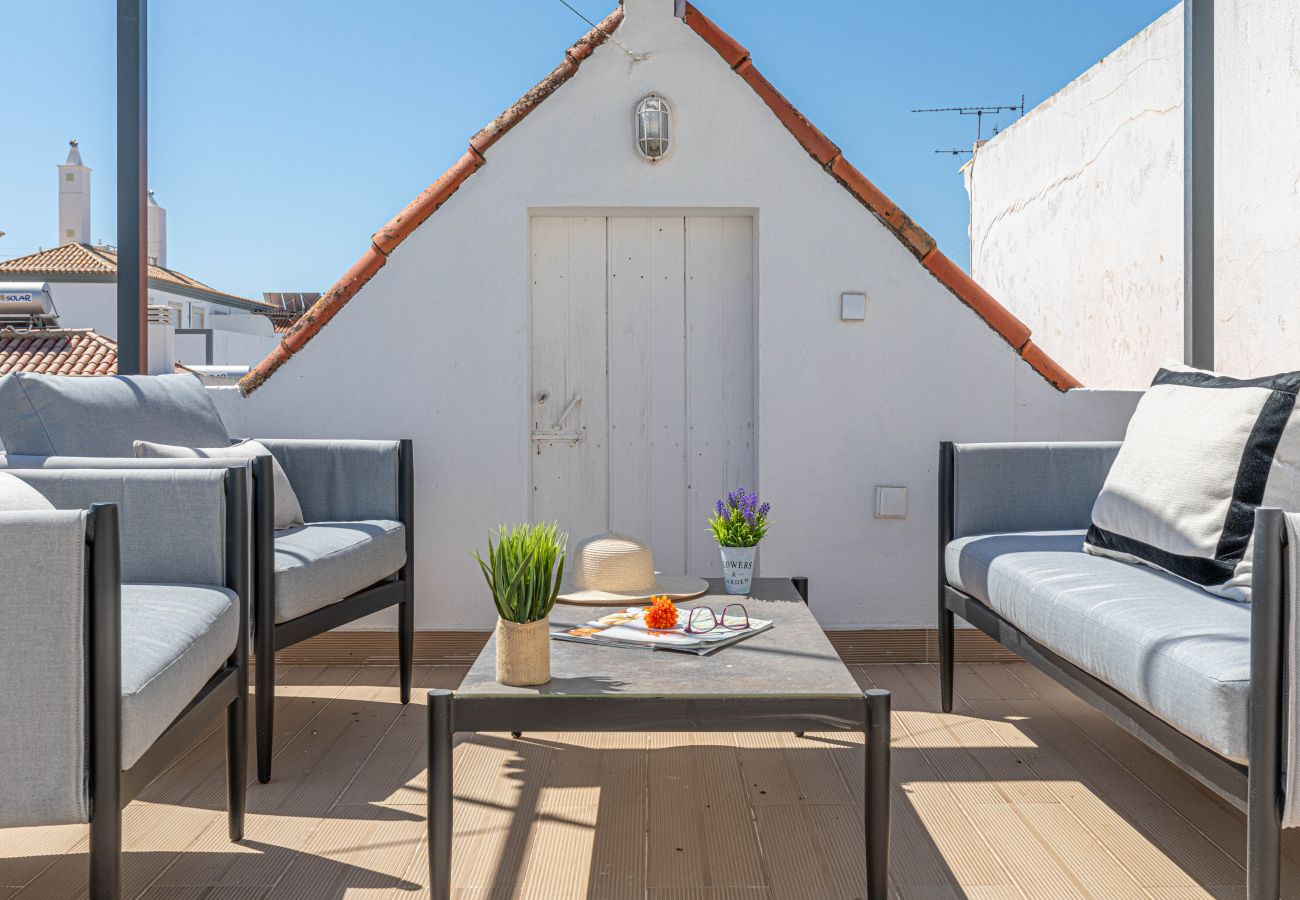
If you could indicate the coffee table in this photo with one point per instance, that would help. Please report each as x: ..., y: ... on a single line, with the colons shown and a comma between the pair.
x: 786, y: 679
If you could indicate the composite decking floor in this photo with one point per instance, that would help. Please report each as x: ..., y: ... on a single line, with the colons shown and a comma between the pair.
x: 1022, y: 792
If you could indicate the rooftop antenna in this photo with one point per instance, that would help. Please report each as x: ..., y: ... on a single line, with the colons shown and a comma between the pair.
x: 979, y: 112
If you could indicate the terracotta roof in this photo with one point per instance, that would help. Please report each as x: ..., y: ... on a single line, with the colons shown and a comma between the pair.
x: 59, y: 351
x: 819, y: 147
x: 83, y: 260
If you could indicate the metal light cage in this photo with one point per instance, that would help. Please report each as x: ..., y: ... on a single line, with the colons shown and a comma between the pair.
x: 653, y: 122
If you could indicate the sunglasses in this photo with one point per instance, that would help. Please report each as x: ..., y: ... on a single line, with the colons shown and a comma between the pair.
x: 702, y: 619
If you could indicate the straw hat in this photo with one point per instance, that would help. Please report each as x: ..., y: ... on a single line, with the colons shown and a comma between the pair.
x: 612, y: 568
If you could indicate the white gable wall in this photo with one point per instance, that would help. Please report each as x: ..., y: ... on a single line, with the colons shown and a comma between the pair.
x: 435, y: 346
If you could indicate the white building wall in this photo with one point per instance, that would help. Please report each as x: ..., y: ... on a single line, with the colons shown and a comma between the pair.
x: 841, y: 407
x: 238, y: 338
x: 1077, y: 209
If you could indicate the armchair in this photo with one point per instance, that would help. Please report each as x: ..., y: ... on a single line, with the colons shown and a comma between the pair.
x: 125, y: 633
x: 352, y: 558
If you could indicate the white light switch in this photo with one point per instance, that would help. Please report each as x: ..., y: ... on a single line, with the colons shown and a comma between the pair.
x: 891, y: 502
x: 853, y: 306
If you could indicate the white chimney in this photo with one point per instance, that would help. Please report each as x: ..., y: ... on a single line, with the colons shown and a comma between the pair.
x: 74, y: 199
x: 162, y: 340
x: 157, y: 233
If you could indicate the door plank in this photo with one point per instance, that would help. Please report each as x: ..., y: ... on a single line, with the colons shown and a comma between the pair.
x: 720, y: 372
x: 647, y: 383
x: 568, y: 360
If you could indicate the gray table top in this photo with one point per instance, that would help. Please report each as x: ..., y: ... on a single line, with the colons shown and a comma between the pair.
x: 790, y: 660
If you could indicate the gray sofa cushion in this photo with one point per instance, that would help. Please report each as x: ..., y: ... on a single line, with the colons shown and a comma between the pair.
x: 1180, y: 652
x: 322, y: 562
x: 174, y: 638
x: 68, y: 415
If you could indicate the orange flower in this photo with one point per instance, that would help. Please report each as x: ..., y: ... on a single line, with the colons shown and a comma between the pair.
x: 661, y: 614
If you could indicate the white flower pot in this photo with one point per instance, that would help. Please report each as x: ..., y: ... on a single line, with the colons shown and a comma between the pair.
x: 738, y: 568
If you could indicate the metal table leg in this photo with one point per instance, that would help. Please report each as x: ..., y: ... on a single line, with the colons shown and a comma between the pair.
x: 877, y: 793
x: 441, y: 729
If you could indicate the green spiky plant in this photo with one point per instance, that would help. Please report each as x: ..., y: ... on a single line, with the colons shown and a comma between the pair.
x: 523, y: 570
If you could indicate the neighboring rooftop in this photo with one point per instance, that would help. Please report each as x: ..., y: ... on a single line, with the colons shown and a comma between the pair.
x: 82, y: 262
x: 59, y: 351
x: 289, y: 307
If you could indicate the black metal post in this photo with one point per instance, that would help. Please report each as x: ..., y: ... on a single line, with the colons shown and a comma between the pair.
x: 441, y: 730
x: 1198, y: 183
x: 406, y: 609
x: 877, y: 793
x: 264, y: 599
x: 947, y: 634
x: 1267, y: 631
x: 800, y: 583
x: 132, y: 183
x: 105, y: 670
x: 238, y: 577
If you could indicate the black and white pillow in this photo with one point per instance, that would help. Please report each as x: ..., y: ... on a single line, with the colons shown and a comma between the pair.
x: 1201, y: 454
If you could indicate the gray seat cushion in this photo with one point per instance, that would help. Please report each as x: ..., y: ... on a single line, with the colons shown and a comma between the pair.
x: 69, y: 415
x: 323, y: 562
x: 174, y: 638
x: 1180, y: 652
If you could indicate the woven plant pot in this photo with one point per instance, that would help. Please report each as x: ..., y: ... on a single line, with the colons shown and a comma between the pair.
x: 523, y: 652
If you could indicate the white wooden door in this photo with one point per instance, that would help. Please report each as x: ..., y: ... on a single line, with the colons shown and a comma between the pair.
x: 642, y: 376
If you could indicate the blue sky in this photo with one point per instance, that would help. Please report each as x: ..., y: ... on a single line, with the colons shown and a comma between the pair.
x: 284, y: 132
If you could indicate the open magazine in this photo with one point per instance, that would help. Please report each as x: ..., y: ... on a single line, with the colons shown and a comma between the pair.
x: 627, y: 628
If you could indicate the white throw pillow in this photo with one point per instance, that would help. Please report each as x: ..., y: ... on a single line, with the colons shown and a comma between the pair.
x: 288, y: 512
x: 17, y: 495
x: 1201, y: 454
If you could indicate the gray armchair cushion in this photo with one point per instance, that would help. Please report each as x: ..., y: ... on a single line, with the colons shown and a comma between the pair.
x: 1026, y: 486
x: 323, y: 562
x: 43, y: 743
x: 17, y: 495
x: 1180, y: 652
x: 174, y: 638
x: 341, y: 481
x: 164, y: 538
x: 66, y: 415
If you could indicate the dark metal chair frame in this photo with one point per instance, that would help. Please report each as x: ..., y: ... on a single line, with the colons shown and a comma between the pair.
x: 111, y: 788
x: 270, y: 636
x: 1256, y: 788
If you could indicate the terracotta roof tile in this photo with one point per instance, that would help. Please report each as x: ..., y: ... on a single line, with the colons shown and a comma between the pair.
x: 1048, y: 367
x: 82, y: 259
x: 57, y: 351
x: 728, y: 47
x: 387, y: 238
x: 968, y: 291
x: 818, y: 145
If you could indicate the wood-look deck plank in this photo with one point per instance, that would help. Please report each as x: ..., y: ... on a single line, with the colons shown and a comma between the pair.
x: 1023, y: 792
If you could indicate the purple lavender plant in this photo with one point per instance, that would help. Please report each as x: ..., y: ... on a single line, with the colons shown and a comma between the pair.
x: 739, y: 520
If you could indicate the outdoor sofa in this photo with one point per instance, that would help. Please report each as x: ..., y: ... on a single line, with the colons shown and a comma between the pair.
x: 1197, y: 678
x: 125, y: 633
x: 352, y: 556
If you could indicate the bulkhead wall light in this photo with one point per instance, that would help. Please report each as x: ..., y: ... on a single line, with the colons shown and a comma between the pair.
x: 653, y: 127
